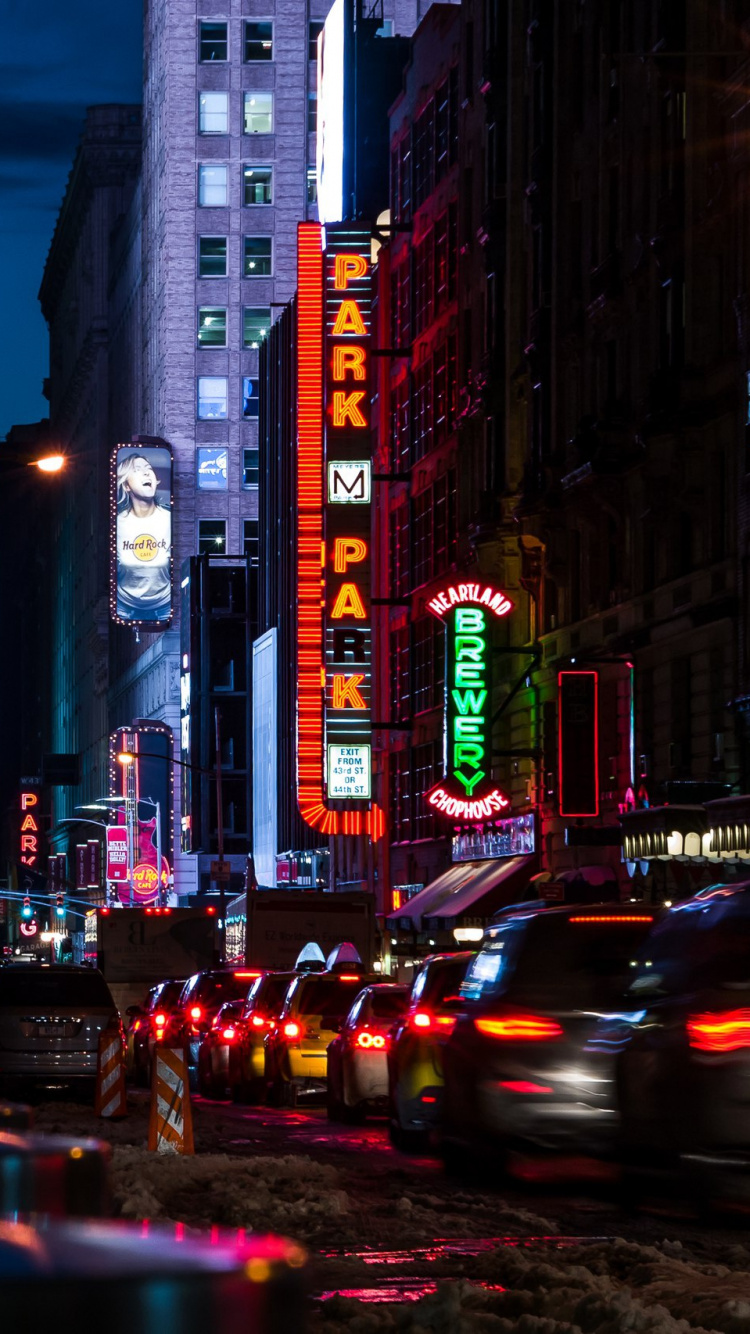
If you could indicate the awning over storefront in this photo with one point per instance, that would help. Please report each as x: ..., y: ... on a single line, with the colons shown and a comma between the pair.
x: 476, y: 888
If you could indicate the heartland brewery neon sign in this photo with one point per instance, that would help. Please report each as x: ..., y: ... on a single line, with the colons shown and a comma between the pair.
x: 334, y: 488
x: 467, y: 793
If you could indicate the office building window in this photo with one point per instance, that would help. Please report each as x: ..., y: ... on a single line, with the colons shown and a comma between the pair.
x: 258, y: 39
x: 256, y: 321
x: 250, y: 469
x: 212, y: 41
x: 212, y: 326
x: 258, y: 257
x: 250, y: 396
x: 213, y: 113
x: 211, y: 468
x: 212, y: 397
x: 257, y: 184
x: 212, y: 186
x: 251, y: 536
x: 312, y: 113
x: 312, y: 186
x: 314, y: 28
x: 258, y: 113
x: 212, y: 256
x: 212, y: 537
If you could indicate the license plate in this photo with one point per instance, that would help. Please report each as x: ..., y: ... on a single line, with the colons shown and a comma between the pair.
x: 51, y: 1030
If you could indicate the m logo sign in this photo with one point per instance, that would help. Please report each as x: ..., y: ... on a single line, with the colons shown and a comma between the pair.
x: 349, y: 483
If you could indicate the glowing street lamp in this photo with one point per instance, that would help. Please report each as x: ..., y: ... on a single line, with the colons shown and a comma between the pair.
x: 50, y: 463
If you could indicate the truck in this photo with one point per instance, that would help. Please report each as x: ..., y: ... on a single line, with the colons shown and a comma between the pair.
x: 267, y: 928
x: 138, y: 947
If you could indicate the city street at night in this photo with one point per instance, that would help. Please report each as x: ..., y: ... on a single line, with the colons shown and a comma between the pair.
x: 395, y: 1245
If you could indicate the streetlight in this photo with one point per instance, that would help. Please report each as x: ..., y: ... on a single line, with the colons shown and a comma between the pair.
x: 49, y: 463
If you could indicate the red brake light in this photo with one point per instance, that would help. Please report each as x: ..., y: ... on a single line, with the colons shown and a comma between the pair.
x: 520, y: 1028
x: 229, y: 1033
x: 615, y: 917
x: 349, y: 977
x: 421, y: 1020
x: 291, y: 1030
x: 258, y: 1021
x: 719, y: 1032
x: 246, y: 974
x: 195, y: 1012
x: 160, y: 1019
x: 369, y: 1040
x: 136, y: 1025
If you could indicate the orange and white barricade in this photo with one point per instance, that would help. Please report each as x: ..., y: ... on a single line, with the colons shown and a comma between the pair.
x: 170, y: 1125
x: 110, y: 1098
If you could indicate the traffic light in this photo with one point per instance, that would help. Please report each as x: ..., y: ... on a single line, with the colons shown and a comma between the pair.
x: 60, y: 905
x: 27, y: 911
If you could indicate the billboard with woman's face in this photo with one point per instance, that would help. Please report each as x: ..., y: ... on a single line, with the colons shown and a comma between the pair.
x: 141, y: 536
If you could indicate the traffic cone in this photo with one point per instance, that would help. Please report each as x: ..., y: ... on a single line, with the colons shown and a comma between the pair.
x: 110, y: 1099
x: 170, y: 1123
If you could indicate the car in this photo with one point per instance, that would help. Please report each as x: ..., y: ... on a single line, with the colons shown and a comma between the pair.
x: 213, y: 1054
x: 51, y: 1019
x: 415, y: 1069
x: 259, y: 1014
x: 315, y: 1007
x: 520, y: 1069
x: 149, y: 1024
x: 683, y: 1051
x: 357, y: 1059
x: 200, y: 1000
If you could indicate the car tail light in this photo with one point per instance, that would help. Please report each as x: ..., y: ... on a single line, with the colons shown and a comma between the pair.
x: 424, y: 1022
x: 244, y: 973
x: 136, y: 1025
x: 160, y: 1019
x: 291, y: 1030
x: 370, y: 1041
x: 525, y: 1086
x: 229, y: 1033
x: 520, y: 1028
x: 613, y: 917
x: 729, y: 1031
x: 349, y: 977
x: 258, y: 1021
x: 195, y: 1012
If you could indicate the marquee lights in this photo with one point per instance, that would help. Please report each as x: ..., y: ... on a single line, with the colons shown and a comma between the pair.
x: 467, y: 792
x: 334, y: 643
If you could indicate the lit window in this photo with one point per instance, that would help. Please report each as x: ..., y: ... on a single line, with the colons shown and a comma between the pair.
x: 257, y: 184
x: 259, y: 40
x: 312, y: 186
x: 255, y: 325
x: 212, y: 256
x: 213, y: 113
x: 212, y: 537
x: 212, y: 326
x: 212, y: 397
x: 250, y: 397
x: 312, y: 113
x: 212, y: 186
x: 314, y: 28
x: 250, y: 467
x: 213, y: 41
x: 251, y: 535
x: 258, y: 113
x: 211, y: 468
x: 258, y: 257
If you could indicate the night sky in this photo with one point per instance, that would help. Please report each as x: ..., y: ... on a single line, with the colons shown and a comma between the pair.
x: 57, y: 59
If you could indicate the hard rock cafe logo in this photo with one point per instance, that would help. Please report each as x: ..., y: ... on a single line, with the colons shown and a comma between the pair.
x: 144, y: 547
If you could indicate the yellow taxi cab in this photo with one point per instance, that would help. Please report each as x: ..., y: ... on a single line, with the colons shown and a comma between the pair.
x: 314, y: 1010
x: 258, y: 1018
x: 415, y: 1061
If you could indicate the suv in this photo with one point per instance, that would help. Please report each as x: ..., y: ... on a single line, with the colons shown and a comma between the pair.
x: 51, y: 1018
x: 200, y: 1000
x: 522, y: 1064
x: 314, y: 1010
x: 246, y: 1056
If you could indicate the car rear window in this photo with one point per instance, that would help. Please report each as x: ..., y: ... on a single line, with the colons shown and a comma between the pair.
x: 167, y: 994
x: 269, y: 991
x: 697, y: 946
x: 555, y: 963
x: 443, y: 981
x: 388, y: 1004
x: 216, y: 988
x: 327, y: 996
x: 53, y: 987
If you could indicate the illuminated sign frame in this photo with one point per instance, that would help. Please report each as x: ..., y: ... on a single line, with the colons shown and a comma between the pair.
x: 334, y: 647
x: 29, y: 830
x: 467, y: 793
x: 159, y: 455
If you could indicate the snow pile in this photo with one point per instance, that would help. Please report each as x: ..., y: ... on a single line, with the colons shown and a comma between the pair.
x: 285, y: 1194
x: 602, y: 1288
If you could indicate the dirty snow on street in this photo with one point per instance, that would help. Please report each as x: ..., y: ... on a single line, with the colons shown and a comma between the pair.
x: 395, y: 1245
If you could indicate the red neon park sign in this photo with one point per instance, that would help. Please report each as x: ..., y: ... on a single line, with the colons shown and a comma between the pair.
x: 467, y: 793
x: 334, y: 487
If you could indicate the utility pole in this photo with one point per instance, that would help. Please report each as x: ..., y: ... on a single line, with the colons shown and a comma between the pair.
x: 220, y: 840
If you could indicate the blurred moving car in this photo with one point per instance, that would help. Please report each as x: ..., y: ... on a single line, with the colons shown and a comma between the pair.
x: 213, y: 1054
x: 313, y: 1012
x: 51, y: 1018
x: 149, y: 1023
x: 414, y: 1054
x: 247, y: 1056
x: 519, y: 1065
x: 357, y: 1056
x: 683, y: 1050
x: 200, y: 1000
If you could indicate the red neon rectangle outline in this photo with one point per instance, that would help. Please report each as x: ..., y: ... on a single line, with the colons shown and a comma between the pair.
x: 578, y: 815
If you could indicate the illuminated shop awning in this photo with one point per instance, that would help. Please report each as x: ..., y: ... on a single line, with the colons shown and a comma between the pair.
x: 729, y: 828
x: 664, y: 832
x: 479, y: 888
